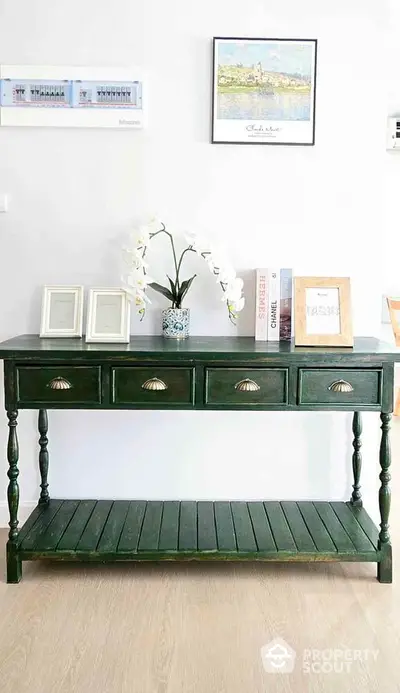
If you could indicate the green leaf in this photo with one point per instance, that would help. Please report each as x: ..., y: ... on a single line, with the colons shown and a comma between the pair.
x: 162, y: 290
x: 183, y: 289
x: 173, y: 287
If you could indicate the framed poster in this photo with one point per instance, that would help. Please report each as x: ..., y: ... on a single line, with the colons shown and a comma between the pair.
x: 108, y: 318
x: 322, y: 313
x: 62, y: 311
x: 264, y: 91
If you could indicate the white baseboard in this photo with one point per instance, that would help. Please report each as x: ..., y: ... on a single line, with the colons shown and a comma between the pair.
x: 24, y: 510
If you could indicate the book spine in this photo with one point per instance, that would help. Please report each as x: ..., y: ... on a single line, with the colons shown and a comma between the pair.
x: 285, y: 327
x: 273, y: 305
x: 261, y: 326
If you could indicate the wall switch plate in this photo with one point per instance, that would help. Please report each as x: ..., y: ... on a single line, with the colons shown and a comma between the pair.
x: 3, y: 202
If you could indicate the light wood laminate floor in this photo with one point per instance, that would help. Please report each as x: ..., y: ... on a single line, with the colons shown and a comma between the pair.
x: 192, y: 628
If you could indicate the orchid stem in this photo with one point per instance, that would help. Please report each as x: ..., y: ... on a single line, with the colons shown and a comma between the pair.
x: 180, y: 261
x: 164, y: 230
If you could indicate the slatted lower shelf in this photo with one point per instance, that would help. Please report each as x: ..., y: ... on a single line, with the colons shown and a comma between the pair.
x: 154, y: 530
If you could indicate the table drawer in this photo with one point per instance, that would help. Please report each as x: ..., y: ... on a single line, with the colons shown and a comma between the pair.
x: 152, y: 385
x: 242, y: 386
x: 341, y: 387
x: 59, y: 384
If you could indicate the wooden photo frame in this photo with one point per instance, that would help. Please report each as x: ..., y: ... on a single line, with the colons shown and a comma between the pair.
x: 108, y: 318
x: 394, y: 310
x: 322, y: 313
x: 62, y: 311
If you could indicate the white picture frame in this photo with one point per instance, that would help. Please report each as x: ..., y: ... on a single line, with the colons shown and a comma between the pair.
x: 62, y: 312
x: 108, y: 316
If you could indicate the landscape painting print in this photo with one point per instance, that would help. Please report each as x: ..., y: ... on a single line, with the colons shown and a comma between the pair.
x: 264, y: 91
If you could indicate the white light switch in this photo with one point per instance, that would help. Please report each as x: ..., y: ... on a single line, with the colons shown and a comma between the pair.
x: 3, y: 202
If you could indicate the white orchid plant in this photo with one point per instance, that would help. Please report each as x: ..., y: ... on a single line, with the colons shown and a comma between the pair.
x: 136, y: 278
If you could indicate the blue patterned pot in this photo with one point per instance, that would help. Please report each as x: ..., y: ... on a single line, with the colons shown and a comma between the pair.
x: 175, y: 323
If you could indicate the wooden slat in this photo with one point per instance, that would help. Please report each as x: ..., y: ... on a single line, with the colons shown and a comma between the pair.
x: 49, y: 540
x: 298, y: 527
x: 280, y: 528
x: 93, y: 530
x: 340, y: 538
x: 317, y: 529
x: 169, y: 531
x: 245, y: 539
x: 188, y: 526
x: 75, y: 528
x: 224, y: 524
x: 206, y: 533
x: 369, y: 527
x: 40, y: 526
x: 353, y: 529
x: 151, y: 526
x: 261, y: 528
x: 133, y: 524
x: 113, y: 527
x: 30, y: 522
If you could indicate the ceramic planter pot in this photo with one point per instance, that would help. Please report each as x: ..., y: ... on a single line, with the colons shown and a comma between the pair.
x: 175, y: 323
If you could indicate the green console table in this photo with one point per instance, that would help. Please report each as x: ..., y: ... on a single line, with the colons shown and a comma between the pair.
x: 199, y: 373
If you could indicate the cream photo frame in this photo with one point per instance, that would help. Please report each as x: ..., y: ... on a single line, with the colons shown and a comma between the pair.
x: 108, y: 318
x: 62, y: 311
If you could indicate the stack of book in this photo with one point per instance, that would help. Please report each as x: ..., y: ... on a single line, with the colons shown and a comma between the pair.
x: 274, y: 293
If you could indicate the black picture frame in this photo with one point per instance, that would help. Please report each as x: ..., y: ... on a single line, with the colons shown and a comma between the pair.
x: 269, y: 131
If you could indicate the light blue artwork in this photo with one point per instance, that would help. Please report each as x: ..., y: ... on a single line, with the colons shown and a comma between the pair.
x: 265, y: 80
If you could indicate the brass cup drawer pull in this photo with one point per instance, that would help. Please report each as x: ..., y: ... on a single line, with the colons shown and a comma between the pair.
x: 247, y: 385
x: 59, y: 383
x: 341, y: 386
x: 154, y: 384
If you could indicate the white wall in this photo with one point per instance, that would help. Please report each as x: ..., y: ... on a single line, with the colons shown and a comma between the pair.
x: 319, y: 209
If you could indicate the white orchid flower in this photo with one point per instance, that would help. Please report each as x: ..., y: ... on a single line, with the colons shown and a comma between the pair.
x: 134, y: 259
x: 197, y: 243
x: 226, y: 274
x: 154, y: 225
x: 139, y: 238
x: 137, y: 292
x: 234, y: 289
x: 214, y: 260
x: 137, y: 295
x: 238, y: 305
x: 137, y: 278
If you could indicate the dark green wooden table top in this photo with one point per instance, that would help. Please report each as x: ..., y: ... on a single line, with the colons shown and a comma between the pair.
x: 26, y: 346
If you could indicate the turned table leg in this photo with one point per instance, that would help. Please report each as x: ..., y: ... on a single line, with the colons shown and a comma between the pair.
x: 13, y: 560
x: 43, y: 456
x: 357, y: 459
x: 385, y: 565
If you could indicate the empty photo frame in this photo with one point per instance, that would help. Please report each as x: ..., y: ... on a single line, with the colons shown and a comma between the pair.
x: 108, y: 318
x: 62, y: 311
